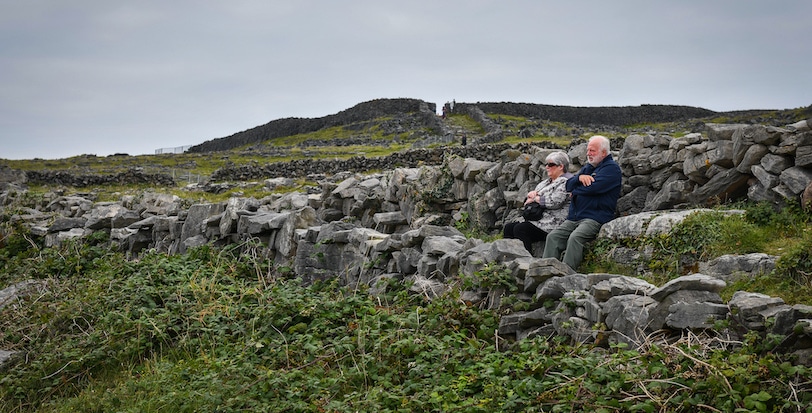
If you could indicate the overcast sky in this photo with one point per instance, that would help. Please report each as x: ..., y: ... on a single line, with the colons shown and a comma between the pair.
x: 103, y: 76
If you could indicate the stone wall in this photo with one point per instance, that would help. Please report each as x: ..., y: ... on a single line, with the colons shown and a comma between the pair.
x: 409, y: 159
x: 131, y: 176
x: 398, y: 225
x: 606, y: 115
x: 728, y: 162
x: 427, y: 115
x: 592, y: 116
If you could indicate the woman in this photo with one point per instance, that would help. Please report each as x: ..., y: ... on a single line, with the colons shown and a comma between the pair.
x: 552, y: 195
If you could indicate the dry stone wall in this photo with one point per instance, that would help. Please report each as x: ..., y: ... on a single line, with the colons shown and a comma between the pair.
x: 760, y: 163
x: 427, y: 116
x: 399, y: 226
x: 129, y: 177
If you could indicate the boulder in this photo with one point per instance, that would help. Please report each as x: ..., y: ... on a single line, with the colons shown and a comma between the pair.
x: 697, y: 282
x: 499, y: 251
x: 540, y: 270
x: 555, y: 288
x: 65, y: 223
x: 675, y: 302
x: 195, y: 223
x: 260, y: 223
x: 787, y: 320
x: 285, y: 238
x: 438, y: 245
x: 628, y: 317
x: 751, y: 310
x: 796, y: 179
x: 70, y: 206
x: 110, y: 215
x: 234, y: 209
x: 696, y: 315
x: 620, y: 285
x: 729, y: 184
x: 160, y: 204
x: 729, y: 267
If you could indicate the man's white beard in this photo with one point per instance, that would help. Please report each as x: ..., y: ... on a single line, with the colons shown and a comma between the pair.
x: 595, y: 160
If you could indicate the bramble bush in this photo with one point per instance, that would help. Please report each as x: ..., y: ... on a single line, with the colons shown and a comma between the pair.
x: 222, y: 330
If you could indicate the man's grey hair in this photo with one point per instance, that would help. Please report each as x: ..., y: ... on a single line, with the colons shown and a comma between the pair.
x: 559, y: 158
x: 603, y: 143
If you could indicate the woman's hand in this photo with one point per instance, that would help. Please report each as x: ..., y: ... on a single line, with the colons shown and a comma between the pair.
x: 532, y: 196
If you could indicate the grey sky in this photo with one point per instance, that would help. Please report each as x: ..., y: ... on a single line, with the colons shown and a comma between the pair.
x: 103, y: 77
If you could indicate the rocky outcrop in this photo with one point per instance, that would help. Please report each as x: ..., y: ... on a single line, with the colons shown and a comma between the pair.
x: 398, y: 226
x: 11, y: 178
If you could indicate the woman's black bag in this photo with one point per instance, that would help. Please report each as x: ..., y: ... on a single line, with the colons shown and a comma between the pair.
x: 532, y: 211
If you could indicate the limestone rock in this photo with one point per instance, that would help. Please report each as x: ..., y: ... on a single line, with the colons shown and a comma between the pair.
x: 620, y: 285
x: 556, y: 287
x: 751, y: 310
x: 683, y: 315
x: 728, y: 267
x: 665, y: 307
x: 796, y: 179
x: 628, y: 317
x: 787, y: 319
x: 540, y: 270
x: 698, y: 282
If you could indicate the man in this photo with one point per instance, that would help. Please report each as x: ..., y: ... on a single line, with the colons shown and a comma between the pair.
x: 595, y: 190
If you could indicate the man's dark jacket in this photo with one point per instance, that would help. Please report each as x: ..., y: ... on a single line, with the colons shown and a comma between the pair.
x: 599, y: 200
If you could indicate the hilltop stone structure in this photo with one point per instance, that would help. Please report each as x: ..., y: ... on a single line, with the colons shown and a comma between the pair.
x: 373, y: 229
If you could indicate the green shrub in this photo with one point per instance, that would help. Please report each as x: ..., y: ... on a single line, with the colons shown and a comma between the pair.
x: 707, y: 235
x: 796, y: 262
x: 787, y: 220
x: 221, y: 330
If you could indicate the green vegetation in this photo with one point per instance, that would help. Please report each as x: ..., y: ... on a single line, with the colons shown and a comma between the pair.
x: 223, y: 330
x: 114, y: 193
x: 370, y: 131
x: 177, y: 165
x: 203, y: 164
x: 703, y: 236
x: 465, y: 123
x: 228, y: 330
x: 542, y: 131
x: 189, y: 168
